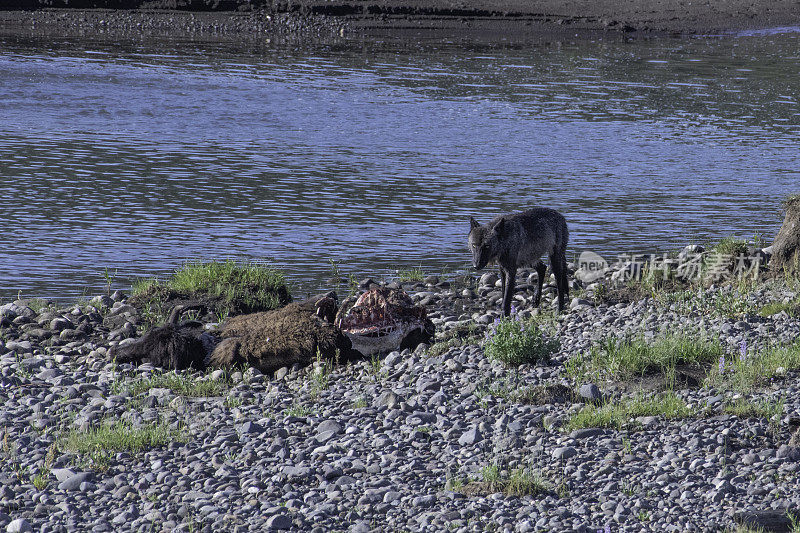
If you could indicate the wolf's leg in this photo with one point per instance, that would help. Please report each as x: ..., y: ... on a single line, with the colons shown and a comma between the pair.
x: 508, y: 290
x: 541, y: 269
x: 558, y: 262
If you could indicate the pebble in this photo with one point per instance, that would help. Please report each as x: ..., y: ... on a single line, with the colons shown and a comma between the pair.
x: 279, y: 522
x: 382, y: 448
x: 75, y: 481
x: 591, y: 392
x: 20, y: 525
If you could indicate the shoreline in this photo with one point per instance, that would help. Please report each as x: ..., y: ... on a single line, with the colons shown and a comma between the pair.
x: 478, y: 19
x: 414, y: 440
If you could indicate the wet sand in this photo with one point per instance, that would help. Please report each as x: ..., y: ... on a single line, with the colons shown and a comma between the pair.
x: 551, y: 19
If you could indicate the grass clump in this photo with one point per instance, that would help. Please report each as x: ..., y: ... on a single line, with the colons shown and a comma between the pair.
x: 513, y: 391
x: 411, y: 274
x: 618, y: 414
x: 773, y: 308
x: 297, y: 410
x: 320, y: 374
x: 731, y: 247
x: 225, y: 287
x: 180, y: 384
x: 40, y: 481
x: 765, y: 408
x: 519, y: 482
x: 120, y: 436
x: 513, y: 342
x: 628, y: 357
x: 461, y: 335
x: 523, y: 482
x: 750, y: 369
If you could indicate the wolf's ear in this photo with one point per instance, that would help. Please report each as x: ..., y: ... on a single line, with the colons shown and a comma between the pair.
x: 473, y: 223
x: 501, y: 226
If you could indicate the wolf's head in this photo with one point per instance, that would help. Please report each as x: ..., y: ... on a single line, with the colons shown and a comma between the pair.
x: 484, y: 242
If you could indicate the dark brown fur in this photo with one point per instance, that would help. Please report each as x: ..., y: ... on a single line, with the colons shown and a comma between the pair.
x: 283, y: 337
x: 521, y: 239
x: 171, y: 346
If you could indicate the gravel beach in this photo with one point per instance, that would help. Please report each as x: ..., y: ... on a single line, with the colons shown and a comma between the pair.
x: 406, y: 442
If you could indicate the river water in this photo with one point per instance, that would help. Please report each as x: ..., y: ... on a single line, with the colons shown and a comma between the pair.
x: 136, y: 157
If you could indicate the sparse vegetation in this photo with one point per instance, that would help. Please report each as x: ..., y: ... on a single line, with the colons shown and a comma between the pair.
x: 730, y: 247
x: 320, y: 376
x: 180, y: 383
x: 458, y: 336
x: 773, y: 308
x: 40, y: 481
x: 514, y: 341
x: 620, y: 413
x: 511, y: 390
x: 297, y: 410
x: 754, y: 368
x: 765, y: 408
x: 226, y: 287
x: 118, y: 435
x: 232, y: 402
x: 624, y: 358
x: 519, y: 482
x: 523, y: 482
x: 411, y: 274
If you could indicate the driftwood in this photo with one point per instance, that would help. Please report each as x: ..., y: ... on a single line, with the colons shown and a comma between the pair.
x: 786, y: 248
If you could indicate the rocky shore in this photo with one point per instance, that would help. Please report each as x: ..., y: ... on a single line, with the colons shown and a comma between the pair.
x: 414, y: 441
x: 507, y: 19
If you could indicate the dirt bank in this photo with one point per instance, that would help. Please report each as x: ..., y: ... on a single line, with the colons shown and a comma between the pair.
x: 503, y: 18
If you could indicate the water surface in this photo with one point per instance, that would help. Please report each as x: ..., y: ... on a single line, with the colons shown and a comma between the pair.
x: 137, y: 157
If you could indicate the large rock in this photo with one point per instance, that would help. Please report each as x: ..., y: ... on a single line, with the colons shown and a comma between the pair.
x: 786, y: 248
x: 764, y: 519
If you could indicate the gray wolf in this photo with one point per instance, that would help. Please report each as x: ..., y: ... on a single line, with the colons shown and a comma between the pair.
x: 521, y: 239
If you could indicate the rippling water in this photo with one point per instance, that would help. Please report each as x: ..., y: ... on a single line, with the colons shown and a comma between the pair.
x: 138, y: 157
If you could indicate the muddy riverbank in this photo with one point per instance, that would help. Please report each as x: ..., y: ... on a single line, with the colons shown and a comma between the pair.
x: 551, y: 19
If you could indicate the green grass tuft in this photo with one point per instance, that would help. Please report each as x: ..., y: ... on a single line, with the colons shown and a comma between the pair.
x: 624, y: 358
x: 411, y: 274
x: 730, y: 246
x: 755, y: 368
x: 773, y: 308
x: 230, y: 287
x: 461, y: 335
x: 618, y: 414
x: 179, y: 383
x: 765, y: 408
x: 513, y: 342
x: 297, y: 410
x: 520, y: 482
x: 121, y: 436
x: 523, y: 482
x: 40, y: 481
